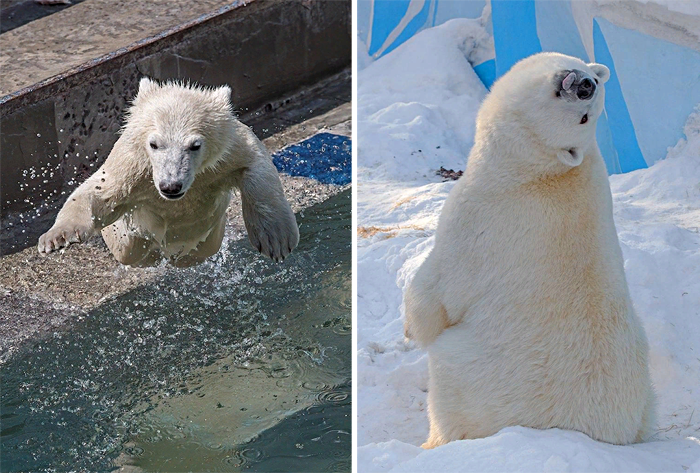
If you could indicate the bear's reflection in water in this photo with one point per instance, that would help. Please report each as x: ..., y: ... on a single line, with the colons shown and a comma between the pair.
x: 194, y: 373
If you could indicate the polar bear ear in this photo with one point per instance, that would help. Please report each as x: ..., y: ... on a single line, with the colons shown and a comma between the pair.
x: 147, y: 86
x: 223, y: 94
x: 601, y: 71
x: 571, y: 157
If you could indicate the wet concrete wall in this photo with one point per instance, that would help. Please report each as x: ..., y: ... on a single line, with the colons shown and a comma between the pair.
x: 15, y: 13
x: 55, y: 134
x: 7, y: 4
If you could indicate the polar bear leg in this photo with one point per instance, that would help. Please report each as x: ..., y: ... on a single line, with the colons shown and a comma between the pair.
x: 128, y: 248
x: 447, y: 422
x: 83, y: 213
x: 648, y: 418
x: 462, y: 401
x: 434, y: 439
x: 426, y: 316
x: 272, y: 228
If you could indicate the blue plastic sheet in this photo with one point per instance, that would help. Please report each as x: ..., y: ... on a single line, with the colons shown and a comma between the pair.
x: 325, y: 157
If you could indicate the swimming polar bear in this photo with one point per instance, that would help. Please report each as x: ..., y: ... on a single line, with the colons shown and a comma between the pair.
x: 523, y: 304
x: 164, y: 189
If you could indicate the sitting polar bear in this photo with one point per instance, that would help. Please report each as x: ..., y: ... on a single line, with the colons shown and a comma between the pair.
x: 523, y: 304
x: 164, y: 189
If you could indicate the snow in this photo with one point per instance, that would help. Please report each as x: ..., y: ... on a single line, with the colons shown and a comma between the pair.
x: 517, y: 449
x: 686, y: 7
x: 416, y: 112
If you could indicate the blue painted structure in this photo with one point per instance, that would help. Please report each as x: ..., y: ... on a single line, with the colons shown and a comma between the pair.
x: 393, y: 9
x: 325, y: 157
x: 513, y: 44
x: 623, y: 135
x: 654, y: 84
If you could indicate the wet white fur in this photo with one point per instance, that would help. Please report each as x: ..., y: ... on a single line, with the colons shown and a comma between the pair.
x: 138, y: 224
x: 523, y: 304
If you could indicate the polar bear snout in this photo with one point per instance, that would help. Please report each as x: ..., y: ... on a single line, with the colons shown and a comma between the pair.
x: 171, y: 185
x: 575, y: 84
x: 174, y: 162
x: 171, y: 190
x: 173, y: 175
x: 586, y: 89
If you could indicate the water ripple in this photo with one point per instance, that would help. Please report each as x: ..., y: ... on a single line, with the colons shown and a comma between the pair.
x: 86, y: 397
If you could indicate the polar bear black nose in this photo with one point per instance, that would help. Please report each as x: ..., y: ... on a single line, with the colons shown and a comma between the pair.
x: 586, y: 89
x: 170, y: 189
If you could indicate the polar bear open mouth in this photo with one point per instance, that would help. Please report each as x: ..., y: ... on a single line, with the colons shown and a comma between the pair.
x: 173, y: 196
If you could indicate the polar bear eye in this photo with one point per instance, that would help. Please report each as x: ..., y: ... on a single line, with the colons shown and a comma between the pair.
x: 195, y: 146
x: 584, y: 119
x: 153, y: 145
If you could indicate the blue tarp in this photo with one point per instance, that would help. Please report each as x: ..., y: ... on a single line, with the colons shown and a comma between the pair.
x: 325, y: 157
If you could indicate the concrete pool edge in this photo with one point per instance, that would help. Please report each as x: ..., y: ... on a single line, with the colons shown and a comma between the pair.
x: 321, y: 55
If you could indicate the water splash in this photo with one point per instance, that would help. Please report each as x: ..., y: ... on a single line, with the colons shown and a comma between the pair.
x: 118, y: 387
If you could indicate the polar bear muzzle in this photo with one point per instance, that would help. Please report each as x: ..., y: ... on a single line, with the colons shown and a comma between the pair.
x: 171, y: 190
x: 575, y: 85
x: 174, y: 163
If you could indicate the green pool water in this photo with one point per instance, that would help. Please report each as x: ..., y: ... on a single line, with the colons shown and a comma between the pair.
x: 239, y: 364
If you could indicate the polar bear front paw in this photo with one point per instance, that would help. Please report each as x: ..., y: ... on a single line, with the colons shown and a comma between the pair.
x: 274, y: 236
x: 61, y: 236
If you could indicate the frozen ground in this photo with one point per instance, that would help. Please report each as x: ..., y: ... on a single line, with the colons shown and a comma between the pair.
x: 416, y: 112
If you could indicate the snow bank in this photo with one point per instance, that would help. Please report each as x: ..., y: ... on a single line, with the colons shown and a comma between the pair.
x: 517, y: 449
x: 416, y: 112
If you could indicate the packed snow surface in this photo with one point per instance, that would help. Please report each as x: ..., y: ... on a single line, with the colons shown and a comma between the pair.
x: 416, y: 112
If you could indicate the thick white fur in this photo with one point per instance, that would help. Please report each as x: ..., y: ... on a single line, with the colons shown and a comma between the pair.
x: 141, y: 226
x: 523, y: 303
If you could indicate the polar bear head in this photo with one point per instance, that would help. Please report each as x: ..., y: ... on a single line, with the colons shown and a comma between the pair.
x: 553, y: 102
x: 182, y: 129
